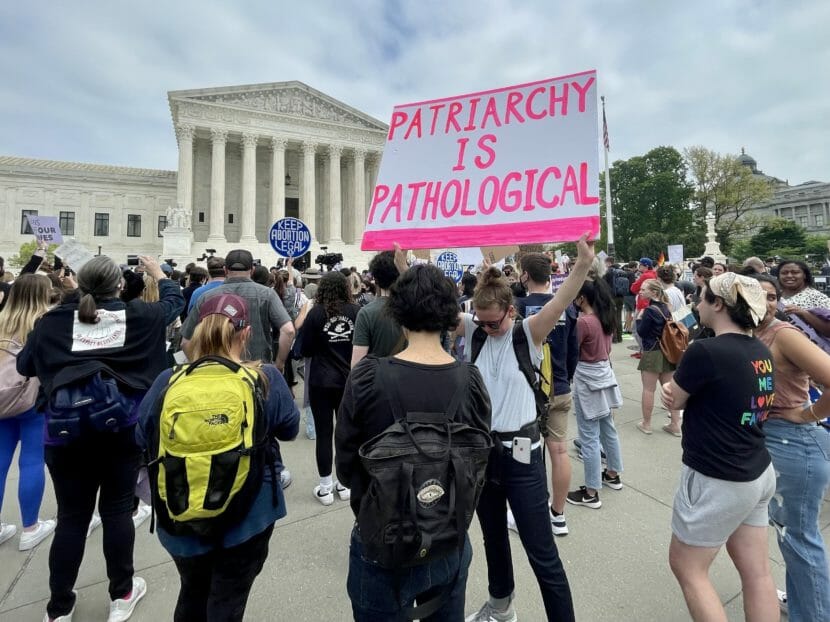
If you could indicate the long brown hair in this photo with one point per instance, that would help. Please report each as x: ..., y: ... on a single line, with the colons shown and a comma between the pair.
x: 29, y: 298
x: 215, y: 335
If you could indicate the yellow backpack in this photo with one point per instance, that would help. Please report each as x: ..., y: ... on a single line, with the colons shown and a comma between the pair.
x: 207, y: 457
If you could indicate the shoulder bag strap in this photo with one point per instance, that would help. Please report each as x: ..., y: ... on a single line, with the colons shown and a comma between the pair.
x: 520, y: 346
x: 478, y: 339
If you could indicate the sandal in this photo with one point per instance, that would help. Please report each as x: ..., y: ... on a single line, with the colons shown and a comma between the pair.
x: 643, y: 428
x: 669, y: 430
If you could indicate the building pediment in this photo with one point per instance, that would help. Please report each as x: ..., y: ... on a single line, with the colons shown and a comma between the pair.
x: 285, y: 99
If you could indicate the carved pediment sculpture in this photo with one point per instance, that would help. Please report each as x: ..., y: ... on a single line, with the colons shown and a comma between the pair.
x: 293, y: 102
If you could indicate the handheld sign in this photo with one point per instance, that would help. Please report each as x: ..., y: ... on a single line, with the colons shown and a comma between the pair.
x: 73, y: 254
x: 46, y: 228
x: 448, y: 262
x: 513, y: 165
x: 290, y: 237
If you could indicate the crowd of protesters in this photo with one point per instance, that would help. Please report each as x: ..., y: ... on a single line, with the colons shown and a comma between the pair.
x: 756, y: 330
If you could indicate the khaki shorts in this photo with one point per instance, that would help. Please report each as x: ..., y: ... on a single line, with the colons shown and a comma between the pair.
x: 558, y: 411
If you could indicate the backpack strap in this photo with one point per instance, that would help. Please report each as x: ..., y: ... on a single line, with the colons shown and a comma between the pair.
x: 520, y: 349
x: 478, y: 339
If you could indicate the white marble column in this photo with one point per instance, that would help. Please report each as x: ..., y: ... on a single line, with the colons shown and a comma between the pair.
x: 217, y: 187
x: 307, y: 198
x: 359, y: 194
x: 247, y: 227
x: 184, y: 187
x: 278, y: 179
x: 335, y: 208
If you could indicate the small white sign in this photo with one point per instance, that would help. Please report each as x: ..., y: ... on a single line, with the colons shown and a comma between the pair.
x: 73, y: 254
x: 676, y: 254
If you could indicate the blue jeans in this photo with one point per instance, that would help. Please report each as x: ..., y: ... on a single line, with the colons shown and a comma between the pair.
x: 592, y: 432
x: 801, y: 458
x: 26, y: 429
x: 525, y: 487
x: 371, y: 588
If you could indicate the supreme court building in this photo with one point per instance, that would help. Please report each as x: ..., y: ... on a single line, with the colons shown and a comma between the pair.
x: 248, y: 155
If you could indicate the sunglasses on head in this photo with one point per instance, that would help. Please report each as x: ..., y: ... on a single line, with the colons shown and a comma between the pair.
x: 491, y: 325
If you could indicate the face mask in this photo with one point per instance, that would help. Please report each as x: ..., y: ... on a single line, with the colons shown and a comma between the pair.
x: 518, y: 289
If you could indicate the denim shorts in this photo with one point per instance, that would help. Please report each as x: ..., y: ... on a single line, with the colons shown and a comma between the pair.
x: 707, y: 510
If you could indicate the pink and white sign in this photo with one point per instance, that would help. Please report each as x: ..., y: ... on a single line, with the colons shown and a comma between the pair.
x: 513, y: 165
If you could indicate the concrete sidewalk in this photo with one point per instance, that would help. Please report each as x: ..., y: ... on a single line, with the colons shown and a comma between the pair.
x: 616, y: 557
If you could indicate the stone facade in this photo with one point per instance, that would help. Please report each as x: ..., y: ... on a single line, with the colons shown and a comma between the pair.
x: 248, y: 155
x: 806, y: 204
x: 121, y: 210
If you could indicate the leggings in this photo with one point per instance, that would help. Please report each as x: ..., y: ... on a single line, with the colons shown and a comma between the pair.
x: 324, y: 405
x: 26, y: 429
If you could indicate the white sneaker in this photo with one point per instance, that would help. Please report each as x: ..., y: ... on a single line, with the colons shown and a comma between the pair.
x: 93, y: 524
x: 782, y: 601
x: 66, y: 618
x: 30, y: 539
x: 323, y: 495
x: 344, y: 493
x: 490, y: 614
x: 558, y: 524
x: 285, y: 478
x: 511, y: 521
x: 7, y: 532
x: 122, y: 608
x: 142, y: 514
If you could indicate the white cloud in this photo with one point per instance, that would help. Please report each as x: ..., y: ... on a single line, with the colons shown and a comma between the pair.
x: 88, y: 81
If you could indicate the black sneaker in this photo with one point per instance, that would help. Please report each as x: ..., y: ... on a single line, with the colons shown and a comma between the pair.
x: 578, y: 445
x: 611, y: 482
x: 581, y: 497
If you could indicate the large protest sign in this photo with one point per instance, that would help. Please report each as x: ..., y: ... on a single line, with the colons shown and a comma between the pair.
x: 513, y: 165
x: 45, y: 228
x: 676, y: 254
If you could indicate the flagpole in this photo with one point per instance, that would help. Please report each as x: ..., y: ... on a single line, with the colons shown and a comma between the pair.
x: 609, y: 220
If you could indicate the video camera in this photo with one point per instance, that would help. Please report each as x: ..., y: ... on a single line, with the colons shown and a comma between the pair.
x: 328, y: 259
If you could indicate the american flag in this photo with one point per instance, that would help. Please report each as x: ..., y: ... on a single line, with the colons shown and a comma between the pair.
x: 605, y: 140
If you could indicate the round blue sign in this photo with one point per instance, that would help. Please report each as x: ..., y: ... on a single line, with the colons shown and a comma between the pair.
x: 448, y: 262
x: 290, y: 237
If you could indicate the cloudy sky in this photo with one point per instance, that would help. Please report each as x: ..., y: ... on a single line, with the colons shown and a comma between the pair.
x: 88, y: 81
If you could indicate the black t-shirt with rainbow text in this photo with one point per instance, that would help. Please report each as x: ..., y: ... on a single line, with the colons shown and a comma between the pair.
x: 729, y: 379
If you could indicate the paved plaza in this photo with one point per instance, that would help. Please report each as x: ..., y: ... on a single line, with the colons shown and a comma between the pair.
x: 616, y: 557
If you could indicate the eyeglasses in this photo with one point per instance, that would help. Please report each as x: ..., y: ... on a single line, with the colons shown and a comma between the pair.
x: 491, y: 325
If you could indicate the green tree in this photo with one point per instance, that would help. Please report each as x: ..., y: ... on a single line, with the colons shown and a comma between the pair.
x: 27, y: 249
x: 779, y: 236
x: 650, y: 245
x: 651, y: 193
x: 727, y: 189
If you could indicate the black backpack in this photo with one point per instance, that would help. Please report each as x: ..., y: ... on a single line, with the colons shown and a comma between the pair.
x: 95, y: 402
x: 530, y: 372
x: 426, y: 473
x: 622, y: 286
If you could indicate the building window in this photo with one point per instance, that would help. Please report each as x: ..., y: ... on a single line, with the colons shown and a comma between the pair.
x: 819, y: 220
x: 102, y: 224
x: 25, y: 229
x: 230, y: 219
x: 201, y: 217
x: 802, y: 220
x: 133, y: 226
x: 67, y: 223
x: 162, y: 224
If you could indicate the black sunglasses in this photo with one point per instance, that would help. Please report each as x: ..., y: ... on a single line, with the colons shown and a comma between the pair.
x: 491, y: 325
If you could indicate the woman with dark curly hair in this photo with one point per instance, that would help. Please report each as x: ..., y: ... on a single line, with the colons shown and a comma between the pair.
x: 424, y: 302
x: 326, y: 338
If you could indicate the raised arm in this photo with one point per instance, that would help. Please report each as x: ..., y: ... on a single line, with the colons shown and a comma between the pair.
x: 543, y: 322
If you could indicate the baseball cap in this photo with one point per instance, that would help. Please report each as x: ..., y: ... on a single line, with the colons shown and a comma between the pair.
x: 230, y: 305
x: 647, y: 262
x: 167, y: 268
x: 239, y: 259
